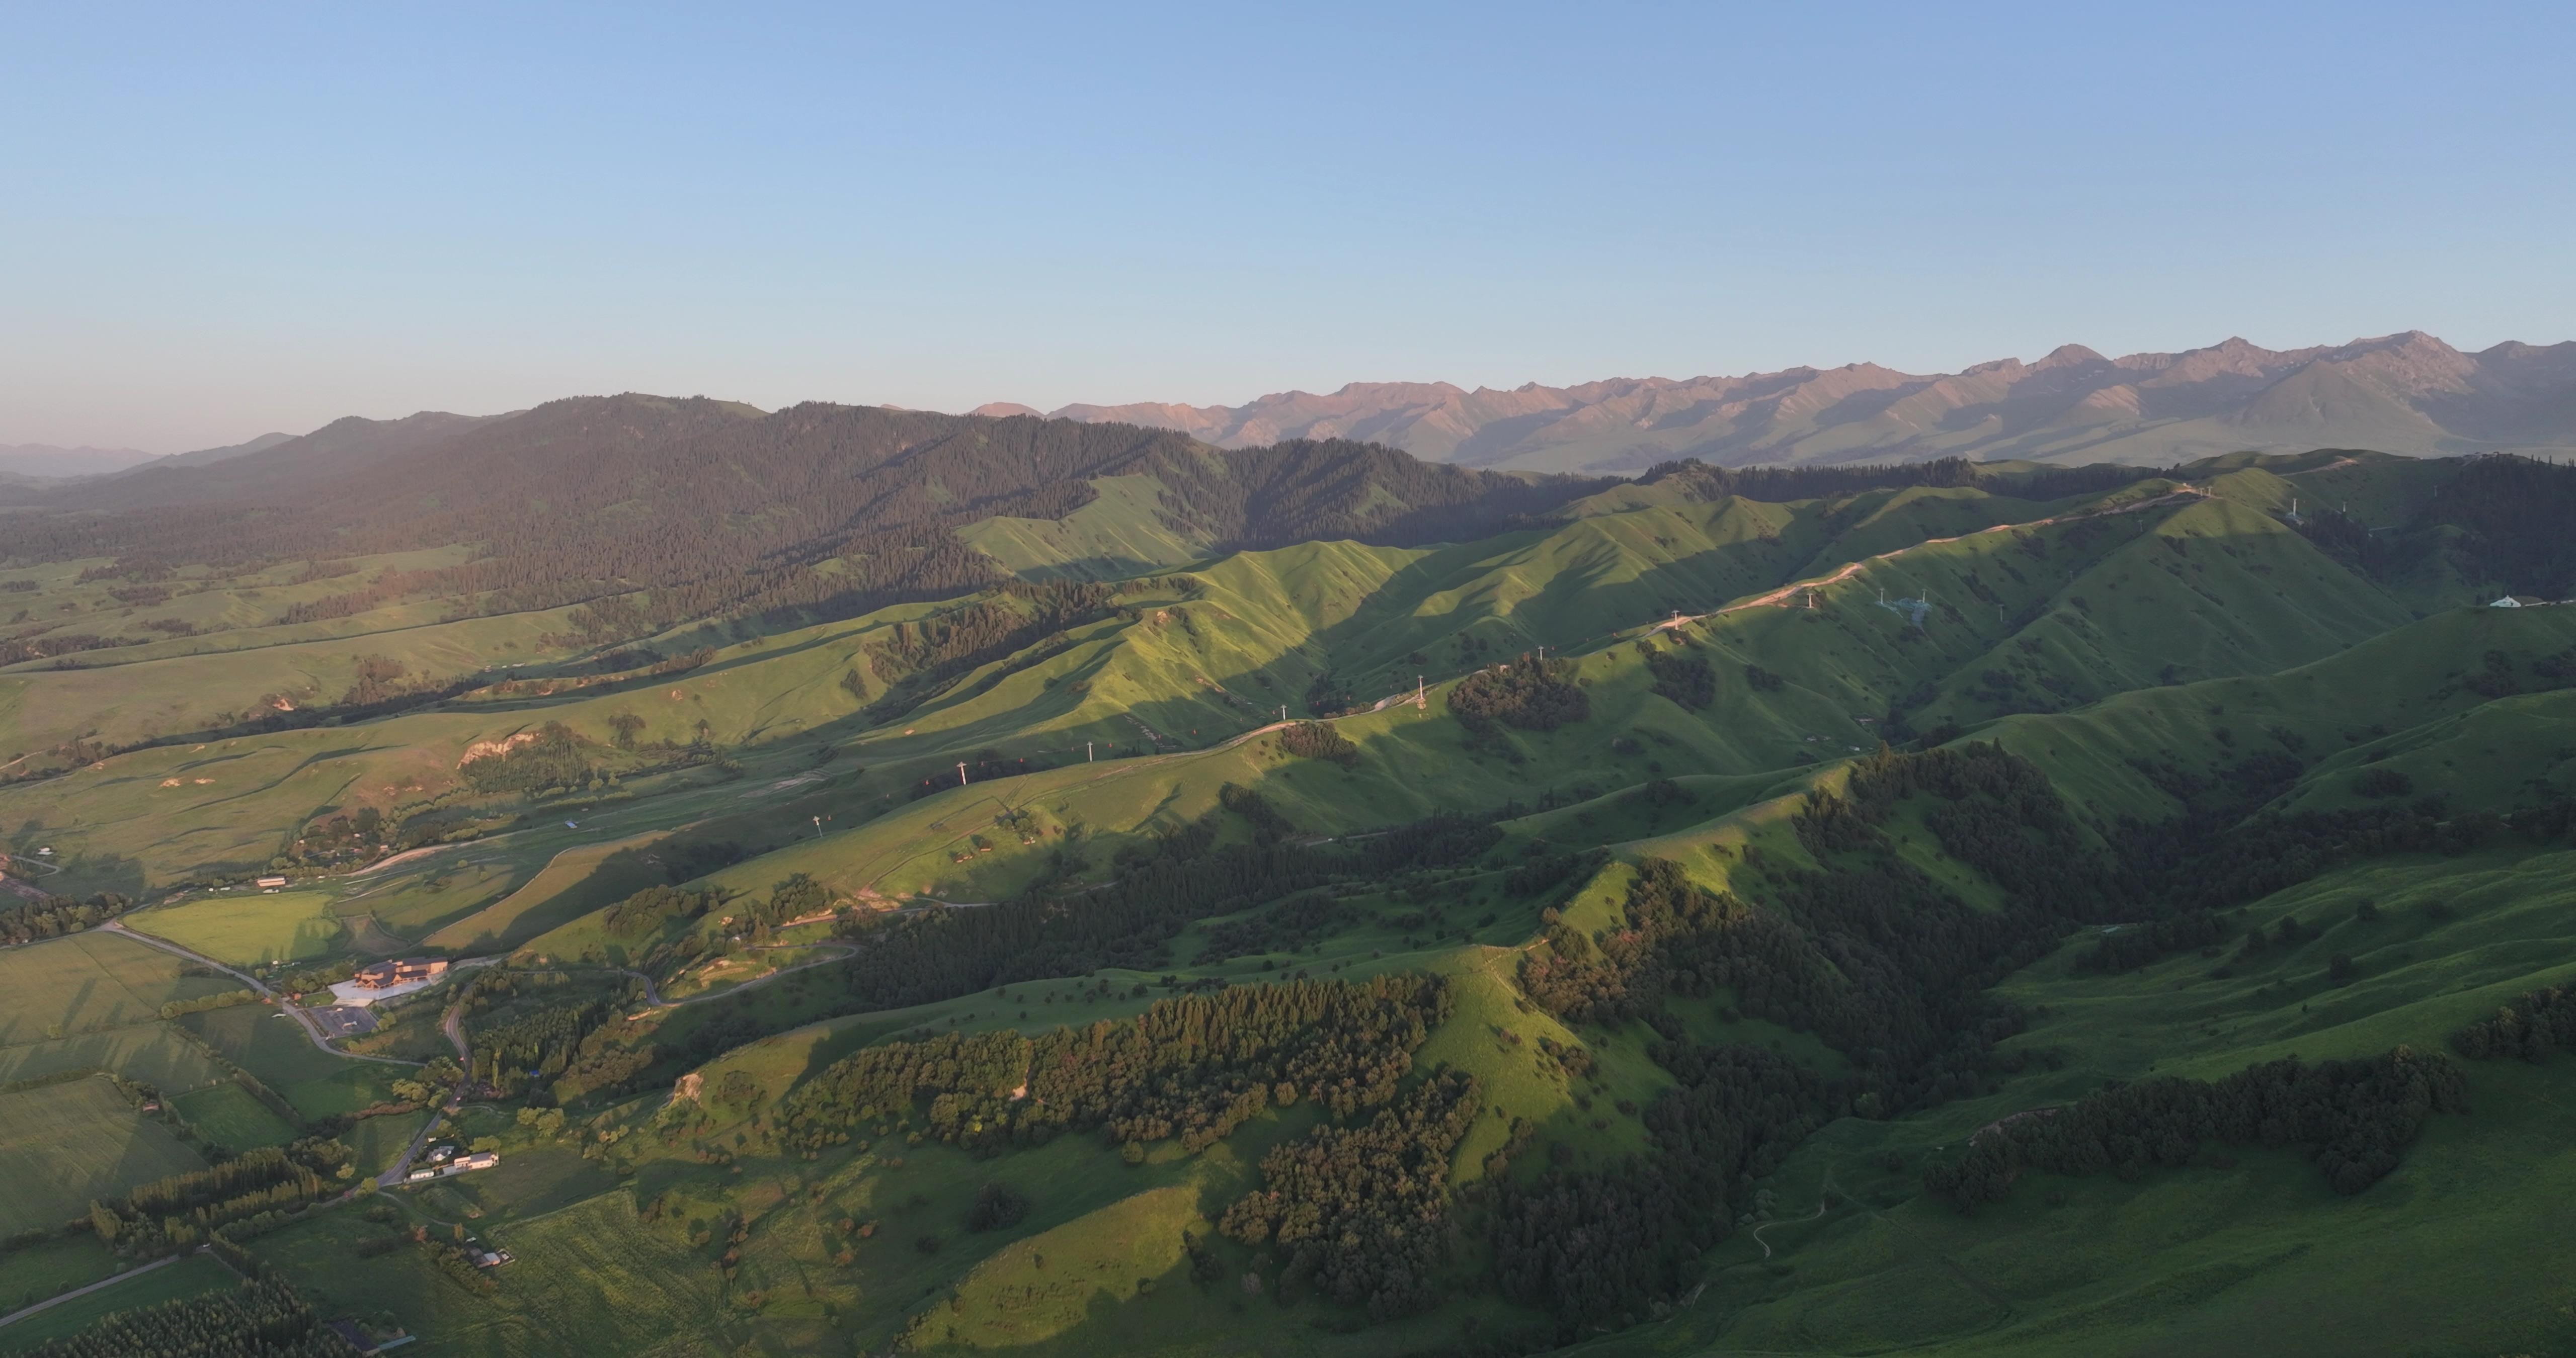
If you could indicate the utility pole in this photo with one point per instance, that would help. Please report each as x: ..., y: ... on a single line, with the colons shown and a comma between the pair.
x: 1283, y: 712
x: 818, y: 827
x: 1421, y: 703
x: 1086, y: 752
x: 961, y: 774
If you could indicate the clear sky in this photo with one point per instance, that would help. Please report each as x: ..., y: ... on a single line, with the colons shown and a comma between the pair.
x: 216, y: 221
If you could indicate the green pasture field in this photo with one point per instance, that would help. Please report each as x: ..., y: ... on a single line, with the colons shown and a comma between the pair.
x: 528, y: 1183
x: 573, y: 883
x: 90, y: 982
x: 591, y: 1278
x: 151, y: 1053
x: 184, y: 685
x: 227, y: 1115
x: 378, y: 1141
x: 275, y: 1048
x: 264, y: 1041
x: 248, y: 929
x: 31, y: 1273
x: 191, y: 1276
x: 62, y: 1145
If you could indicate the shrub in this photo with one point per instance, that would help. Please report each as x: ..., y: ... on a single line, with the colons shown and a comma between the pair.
x: 996, y: 1206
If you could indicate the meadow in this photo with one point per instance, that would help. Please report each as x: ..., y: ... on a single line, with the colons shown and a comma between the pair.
x: 246, y: 929
x: 90, y: 983
x: 228, y: 1116
x: 31, y: 1273
x: 65, y: 1144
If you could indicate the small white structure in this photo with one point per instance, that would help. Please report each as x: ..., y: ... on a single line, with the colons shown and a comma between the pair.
x: 2517, y: 601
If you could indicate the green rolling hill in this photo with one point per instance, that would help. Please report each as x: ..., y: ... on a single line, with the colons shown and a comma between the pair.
x: 948, y: 884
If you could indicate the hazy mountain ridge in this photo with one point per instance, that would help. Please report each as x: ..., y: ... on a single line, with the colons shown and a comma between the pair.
x: 2406, y: 393
x: 46, y: 460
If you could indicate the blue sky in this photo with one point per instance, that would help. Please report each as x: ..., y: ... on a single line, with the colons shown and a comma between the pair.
x: 223, y: 220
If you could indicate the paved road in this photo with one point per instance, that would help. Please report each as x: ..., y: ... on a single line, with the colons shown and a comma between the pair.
x: 312, y: 1030
x: 25, y: 1311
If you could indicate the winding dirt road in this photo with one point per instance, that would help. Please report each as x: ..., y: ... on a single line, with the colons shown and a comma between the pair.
x: 1850, y: 569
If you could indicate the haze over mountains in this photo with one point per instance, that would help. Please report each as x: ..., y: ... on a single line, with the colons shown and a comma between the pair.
x: 2405, y: 393
x: 50, y: 462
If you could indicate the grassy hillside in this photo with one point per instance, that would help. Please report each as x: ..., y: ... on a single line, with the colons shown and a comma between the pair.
x: 966, y: 975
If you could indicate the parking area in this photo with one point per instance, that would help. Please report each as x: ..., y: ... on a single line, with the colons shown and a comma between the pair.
x: 343, y: 1020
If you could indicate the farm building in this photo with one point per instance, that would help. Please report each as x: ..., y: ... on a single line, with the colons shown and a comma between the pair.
x: 269, y: 883
x: 386, y: 975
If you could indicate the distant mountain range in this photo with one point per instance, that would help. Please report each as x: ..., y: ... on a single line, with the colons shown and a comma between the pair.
x: 49, y: 462
x: 2406, y: 393
x: 46, y: 460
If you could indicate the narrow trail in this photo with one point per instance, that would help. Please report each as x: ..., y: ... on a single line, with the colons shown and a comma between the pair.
x: 842, y: 952
x: 1850, y: 569
x: 110, y: 1281
x: 1757, y: 1231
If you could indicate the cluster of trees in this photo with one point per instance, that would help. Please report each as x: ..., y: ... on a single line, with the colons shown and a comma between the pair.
x: 56, y: 916
x: 342, y: 835
x: 2537, y: 1025
x: 1602, y: 1246
x: 1295, y: 923
x: 224, y: 999
x: 1999, y: 814
x: 264, y: 1317
x: 186, y: 1209
x: 997, y: 1207
x: 52, y: 645
x: 2514, y: 511
x: 1876, y: 960
x: 2354, y: 1118
x: 1317, y: 740
x: 1870, y: 954
x: 1192, y: 1066
x: 2128, y: 949
x: 647, y: 912
x: 450, y: 1261
x: 1363, y: 1211
x: 1531, y: 694
x: 554, y: 759
x: 1686, y: 679
x: 921, y: 658
x: 793, y: 897
x: 536, y: 1046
